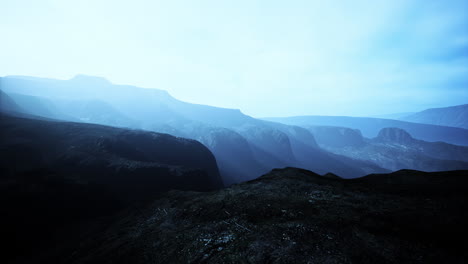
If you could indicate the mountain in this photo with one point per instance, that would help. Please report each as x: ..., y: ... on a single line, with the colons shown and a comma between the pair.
x: 54, y: 174
x: 393, y: 116
x: 8, y: 105
x: 244, y: 147
x: 337, y: 136
x: 286, y: 216
x: 39, y: 106
x: 393, y: 149
x: 454, y: 116
x: 370, y: 127
x: 96, y: 154
x: 438, y: 150
x: 395, y: 135
x: 95, y: 112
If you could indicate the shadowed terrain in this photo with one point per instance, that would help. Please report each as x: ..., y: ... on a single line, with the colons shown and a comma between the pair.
x: 288, y: 216
x: 54, y: 174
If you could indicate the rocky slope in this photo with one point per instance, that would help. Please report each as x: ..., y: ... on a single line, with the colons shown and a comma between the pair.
x: 286, y: 216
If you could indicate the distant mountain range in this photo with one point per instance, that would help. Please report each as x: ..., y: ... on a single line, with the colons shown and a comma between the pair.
x: 244, y: 147
x: 454, y: 116
x: 392, y: 149
x: 370, y: 127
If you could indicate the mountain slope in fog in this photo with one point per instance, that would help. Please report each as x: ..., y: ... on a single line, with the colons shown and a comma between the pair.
x: 393, y: 149
x: 454, y: 116
x: 370, y: 127
x: 245, y: 147
x: 9, y: 105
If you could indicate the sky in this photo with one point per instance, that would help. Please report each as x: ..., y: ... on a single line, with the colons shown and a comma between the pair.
x: 266, y: 58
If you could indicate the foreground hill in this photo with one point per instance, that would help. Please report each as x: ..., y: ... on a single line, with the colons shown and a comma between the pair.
x: 370, y: 127
x: 54, y: 174
x: 454, y: 116
x: 105, y: 155
x: 286, y: 216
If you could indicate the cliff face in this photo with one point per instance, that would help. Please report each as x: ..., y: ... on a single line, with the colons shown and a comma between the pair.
x: 337, y: 136
x: 394, y: 135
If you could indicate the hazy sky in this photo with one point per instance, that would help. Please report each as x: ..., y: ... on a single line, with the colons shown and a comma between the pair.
x: 267, y: 58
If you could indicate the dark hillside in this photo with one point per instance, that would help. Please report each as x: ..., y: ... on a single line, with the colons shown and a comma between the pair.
x: 291, y: 216
x: 54, y: 174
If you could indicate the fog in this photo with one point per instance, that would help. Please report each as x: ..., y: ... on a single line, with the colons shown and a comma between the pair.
x: 266, y: 58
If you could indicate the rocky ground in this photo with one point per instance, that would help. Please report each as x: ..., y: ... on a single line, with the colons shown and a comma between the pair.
x: 286, y: 216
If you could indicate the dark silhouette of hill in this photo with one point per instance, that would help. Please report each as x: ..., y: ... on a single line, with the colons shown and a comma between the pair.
x: 286, y: 216
x: 453, y: 116
x: 99, y: 152
x: 54, y: 174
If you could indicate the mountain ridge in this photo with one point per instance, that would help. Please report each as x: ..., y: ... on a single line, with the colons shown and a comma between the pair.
x: 273, y: 145
x: 454, y: 116
x: 370, y: 127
